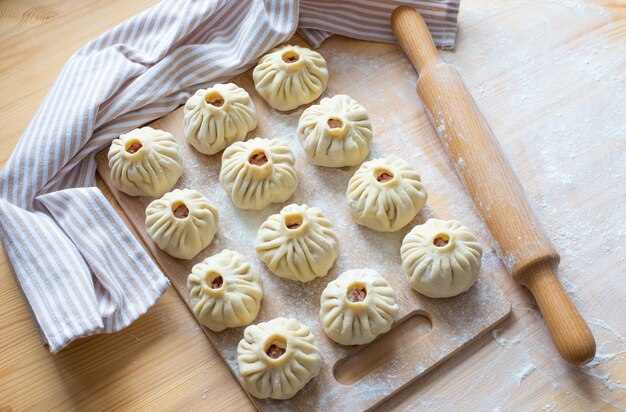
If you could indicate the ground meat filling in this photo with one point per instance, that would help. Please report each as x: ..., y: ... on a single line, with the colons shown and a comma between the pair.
x: 293, y: 222
x: 217, y: 103
x: 356, y: 294
x: 275, y: 352
x: 258, y: 159
x: 290, y: 58
x: 384, y: 177
x: 217, y: 283
x: 335, y: 123
x: 134, y: 148
x: 214, y: 99
x: 181, y: 212
x: 440, y: 241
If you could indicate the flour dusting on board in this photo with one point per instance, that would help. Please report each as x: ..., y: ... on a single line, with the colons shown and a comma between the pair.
x: 399, y: 127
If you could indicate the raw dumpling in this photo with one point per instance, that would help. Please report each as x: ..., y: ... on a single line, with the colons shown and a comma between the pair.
x: 277, y: 358
x: 298, y: 243
x: 335, y: 133
x: 258, y: 172
x: 225, y: 291
x: 145, y: 162
x: 182, y: 223
x: 290, y: 76
x: 357, y: 307
x: 441, y: 258
x: 385, y: 194
x: 217, y: 117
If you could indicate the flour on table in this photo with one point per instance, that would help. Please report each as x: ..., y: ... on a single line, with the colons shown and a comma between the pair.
x: 549, y: 407
x: 525, y: 371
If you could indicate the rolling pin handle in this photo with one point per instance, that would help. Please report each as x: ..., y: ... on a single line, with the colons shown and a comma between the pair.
x: 466, y: 134
x: 414, y: 37
x: 570, y: 333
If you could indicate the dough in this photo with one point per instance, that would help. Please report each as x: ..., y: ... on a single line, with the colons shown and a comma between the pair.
x: 217, y: 117
x: 225, y: 291
x: 335, y: 133
x: 298, y: 243
x: 145, y: 162
x: 357, y: 307
x: 277, y: 358
x: 385, y: 194
x: 441, y: 258
x: 258, y: 172
x: 290, y: 76
x: 182, y: 223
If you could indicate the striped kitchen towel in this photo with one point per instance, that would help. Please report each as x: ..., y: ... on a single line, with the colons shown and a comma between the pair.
x: 80, y: 268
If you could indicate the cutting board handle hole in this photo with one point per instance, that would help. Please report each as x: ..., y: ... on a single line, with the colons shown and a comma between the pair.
x: 404, y: 337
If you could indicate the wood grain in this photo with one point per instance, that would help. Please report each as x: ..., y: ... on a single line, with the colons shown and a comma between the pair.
x: 164, y: 362
x: 525, y: 247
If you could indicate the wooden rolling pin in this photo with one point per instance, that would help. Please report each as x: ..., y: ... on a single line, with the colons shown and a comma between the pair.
x: 524, y: 247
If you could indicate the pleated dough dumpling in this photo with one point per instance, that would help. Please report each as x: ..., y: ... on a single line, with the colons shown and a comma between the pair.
x: 385, y: 194
x: 335, y: 133
x: 258, y: 172
x: 441, y: 258
x: 182, y: 222
x: 277, y: 358
x: 357, y: 307
x: 218, y: 116
x: 145, y: 162
x: 225, y: 291
x: 290, y: 76
x: 298, y: 243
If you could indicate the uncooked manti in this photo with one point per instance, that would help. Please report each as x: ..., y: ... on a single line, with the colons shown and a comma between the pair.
x: 218, y: 116
x: 145, y: 162
x: 258, y: 172
x: 290, y: 76
x: 385, y: 194
x: 357, y: 307
x: 336, y: 132
x: 277, y: 358
x: 182, y: 222
x: 441, y: 258
x: 298, y: 243
x: 225, y: 291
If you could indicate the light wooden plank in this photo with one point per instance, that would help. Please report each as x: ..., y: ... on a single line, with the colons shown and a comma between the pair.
x: 178, y: 369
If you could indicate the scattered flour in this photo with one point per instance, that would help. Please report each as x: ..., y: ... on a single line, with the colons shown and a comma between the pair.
x: 205, y: 393
x: 502, y: 342
x: 549, y: 407
x: 525, y: 372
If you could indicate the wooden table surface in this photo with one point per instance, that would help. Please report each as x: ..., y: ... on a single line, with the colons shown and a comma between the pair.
x: 164, y: 362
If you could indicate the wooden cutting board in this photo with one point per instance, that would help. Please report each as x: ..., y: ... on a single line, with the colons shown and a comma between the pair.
x: 427, y: 331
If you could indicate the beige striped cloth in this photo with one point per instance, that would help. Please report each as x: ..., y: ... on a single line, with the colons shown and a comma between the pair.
x: 80, y: 268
